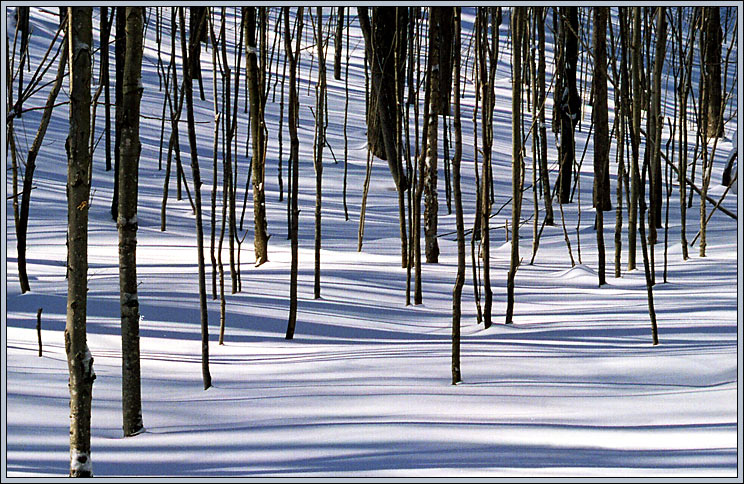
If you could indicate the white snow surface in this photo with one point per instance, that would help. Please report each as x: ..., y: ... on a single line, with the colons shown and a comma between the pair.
x: 573, y: 388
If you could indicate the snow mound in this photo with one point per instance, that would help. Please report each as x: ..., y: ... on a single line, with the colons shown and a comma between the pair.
x: 578, y: 275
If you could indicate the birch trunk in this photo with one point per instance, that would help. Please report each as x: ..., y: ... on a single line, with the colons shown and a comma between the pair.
x: 79, y: 358
x: 130, y: 148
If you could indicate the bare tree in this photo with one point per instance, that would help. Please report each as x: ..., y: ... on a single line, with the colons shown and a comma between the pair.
x: 294, y: 147
x: 130, y: 148
x: 261, y: 238
x: 206, y: 377
x: 460, y: 279
x: 570, y: 102
x: 338, y: 44
x: 440, y: 41
x: 487, y: 64
x: 79, y: 358
x: 518, y: 23
x: 105, y: 34
x: 28, y: 176
x: 601, y: 190
x: 319, y: 145
x: 713, y: 39
x: 635, y: 124
x: 638, y: 182
x: 119, y: 53
x: 386, y: 53
x: 544, y: 178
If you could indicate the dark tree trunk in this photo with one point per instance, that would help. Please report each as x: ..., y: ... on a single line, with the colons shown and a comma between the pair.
x: 105, y: 34
x: 713, y: 38
x: 601, y: 191
x: 544, y: 173
x: 570, y: 102
x: 199, y: 32
x: 338, y: 43
x: 206, y: 377
x: 79, y: 358
x: 119, y: 51
x: 261, y: 238
x: 294, y: 158
x: 518, y: 29
x: 319, y: 145
x: 460, y: 279
x: 386, y: 87
x: 28, y: 176
x: 127, y: 223
x: 440, y: 42
x: 655, y: 128
x: 24, y: 33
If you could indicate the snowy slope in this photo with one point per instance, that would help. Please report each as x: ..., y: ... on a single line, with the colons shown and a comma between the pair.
x: 573, y: 388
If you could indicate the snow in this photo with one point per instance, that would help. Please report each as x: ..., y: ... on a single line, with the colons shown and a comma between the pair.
x: 80, y: 462
x: 574, y: 388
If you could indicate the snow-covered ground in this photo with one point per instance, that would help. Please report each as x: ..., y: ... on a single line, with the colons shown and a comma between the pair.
x: 573, y: 388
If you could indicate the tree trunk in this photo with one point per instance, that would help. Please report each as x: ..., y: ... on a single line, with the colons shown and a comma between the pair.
x: 79, y: 358
x: 387, y: 53
x: 487, y: 69
x: 293, y: 158
x: 198, y: 31
x: 24, y: 31
x: 713, y: 39
x: 257, y: 134
x: 206, y: 377
x: 127, y: 223
x: 105, y: 34
x: 570, y: 103
x: 338, y: 44
x: 518, y: 24
x: 684, y: 88
x: 431, y: 202
x: 544, y: 173
x: 228, y: 197
x: 656, y: 126
x: 319, y: 145
x: 119, y: 51
x: 601, y: 192
x: 28, y: 176
x: 460, y: 278
x: 635, y: 136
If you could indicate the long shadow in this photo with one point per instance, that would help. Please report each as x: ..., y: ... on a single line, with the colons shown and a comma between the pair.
x: 371, y: 454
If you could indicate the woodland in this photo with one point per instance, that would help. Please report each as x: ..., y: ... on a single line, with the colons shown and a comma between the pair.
x: 371, y: 241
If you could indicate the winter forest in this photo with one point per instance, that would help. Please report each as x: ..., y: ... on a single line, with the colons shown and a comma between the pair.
x: 425, y: 241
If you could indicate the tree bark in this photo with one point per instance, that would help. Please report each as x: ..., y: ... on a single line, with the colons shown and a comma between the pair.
x: 79, y: 358
x: 119, y: 53
x: 206, y: 377
x: 544, y: 173
x: 684, y: 89
x: 601, y: 192
x: 261, y: 238
x: 570, y: 102
x: 338, y: 44
x: 635, y: 124
x: 518, y: 29
x: 294, y: 148
x: 28, y: 176
x: 713, y: 38
x: 319, y: 145
x: 105, y: 34
x: 460, y: 278
x: 437, y: 19
x: 130, y: 148
x: 656, y: 126
x: 386, y: 52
